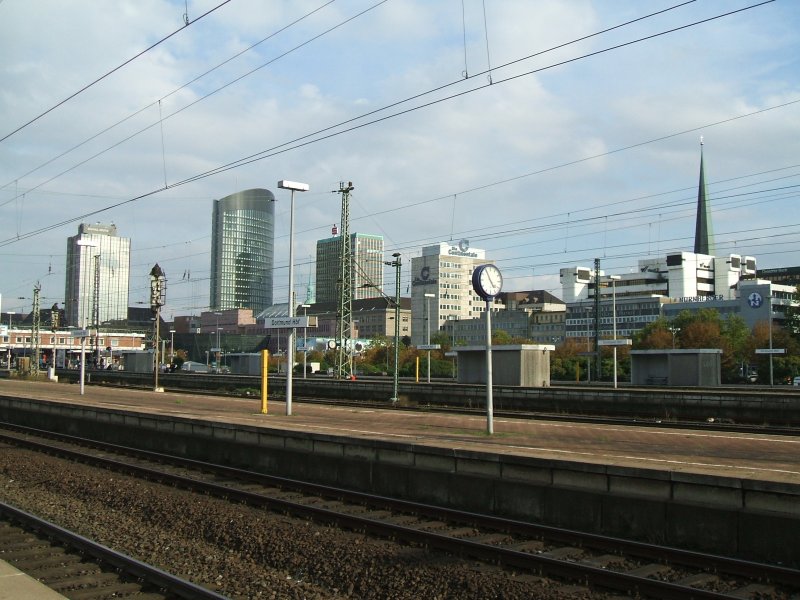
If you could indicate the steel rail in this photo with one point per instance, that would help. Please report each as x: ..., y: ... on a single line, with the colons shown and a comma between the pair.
x: 150, y: 574
x: 532, y: 562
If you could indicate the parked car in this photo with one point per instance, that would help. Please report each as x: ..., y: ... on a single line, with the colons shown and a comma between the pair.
x: 796, y: 381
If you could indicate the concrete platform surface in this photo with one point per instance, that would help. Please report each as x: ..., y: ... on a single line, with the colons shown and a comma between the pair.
x: 743, y: 456
x: 15, y: 585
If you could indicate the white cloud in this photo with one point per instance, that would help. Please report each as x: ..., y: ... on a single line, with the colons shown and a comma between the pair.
x: 419, y: 177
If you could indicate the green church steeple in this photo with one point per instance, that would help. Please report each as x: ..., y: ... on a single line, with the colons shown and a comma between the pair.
x: 703, y: 233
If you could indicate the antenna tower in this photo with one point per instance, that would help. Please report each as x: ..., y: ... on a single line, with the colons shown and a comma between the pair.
x: 344, y: 333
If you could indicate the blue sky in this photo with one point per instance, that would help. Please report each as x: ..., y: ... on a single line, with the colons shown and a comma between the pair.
x: 544, y: 165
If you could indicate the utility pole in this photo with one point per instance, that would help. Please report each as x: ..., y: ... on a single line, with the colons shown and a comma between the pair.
x: 37, y: 324
x: 598, y: 373
x: 344, y: 335
x: 397, y: 263
x: 96, y: 309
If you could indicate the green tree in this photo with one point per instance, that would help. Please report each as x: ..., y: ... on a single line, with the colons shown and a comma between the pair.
x: 654, y: 336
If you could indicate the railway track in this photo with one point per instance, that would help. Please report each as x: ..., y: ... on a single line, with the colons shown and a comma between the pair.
x: 602, y: 563
x: 80, y: 569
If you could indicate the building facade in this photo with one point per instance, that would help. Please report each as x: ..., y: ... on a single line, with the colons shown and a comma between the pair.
x: 366, y: 263
x: 682, y: 275
x: 242, y: 250
x: 97, y: 276
x: 445, y: 271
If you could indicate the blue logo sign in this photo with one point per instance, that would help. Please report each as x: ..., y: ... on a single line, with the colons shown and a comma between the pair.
x: 755, y: 300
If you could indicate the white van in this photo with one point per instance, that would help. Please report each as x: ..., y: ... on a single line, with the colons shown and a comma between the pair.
x: 191, y: 366
x: 796, y: 381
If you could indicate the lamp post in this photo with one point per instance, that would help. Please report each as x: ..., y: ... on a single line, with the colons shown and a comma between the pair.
x: 294, y: 186
x: 158, y: 296
x: 171, y: 346
x: 673, y: 330
x: 305, y: 307
x: 89, y: 244
x: 428, y: 329
x: 397, y: 264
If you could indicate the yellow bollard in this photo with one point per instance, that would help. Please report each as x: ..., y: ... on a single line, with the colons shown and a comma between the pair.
x: 417, y: 370
x: 264, y: 377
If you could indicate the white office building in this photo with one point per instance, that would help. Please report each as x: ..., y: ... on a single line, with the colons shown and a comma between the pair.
x: 366, y: 262
x: 678, y: 276
x: 445, y: 271
x: 97, y: 276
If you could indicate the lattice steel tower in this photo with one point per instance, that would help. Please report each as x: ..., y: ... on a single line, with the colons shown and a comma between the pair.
x: 344, y: 334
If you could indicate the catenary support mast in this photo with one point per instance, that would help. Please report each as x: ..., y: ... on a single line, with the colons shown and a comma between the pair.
x: 344, y: 332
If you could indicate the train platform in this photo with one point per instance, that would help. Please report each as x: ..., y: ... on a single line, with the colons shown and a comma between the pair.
x: 743, y: 456
x: 16, y: 585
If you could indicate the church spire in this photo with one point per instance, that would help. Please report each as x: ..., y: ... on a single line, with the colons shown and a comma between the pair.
x: 703, y: 234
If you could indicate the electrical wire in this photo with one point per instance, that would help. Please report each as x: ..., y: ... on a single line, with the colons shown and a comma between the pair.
x: 114, y: 70
x: 337, y: 125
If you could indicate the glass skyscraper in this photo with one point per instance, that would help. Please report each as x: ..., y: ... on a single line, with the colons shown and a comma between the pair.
x: 242, y: 250
x: 98, y: 272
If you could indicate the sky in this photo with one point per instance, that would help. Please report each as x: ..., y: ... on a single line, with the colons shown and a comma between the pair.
x: 548, y: 133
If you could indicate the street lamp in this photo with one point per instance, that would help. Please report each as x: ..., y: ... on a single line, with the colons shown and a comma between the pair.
x: 171, y: 346
x: 673, y: 330
x: 89, y: 244
x: 428, y: 329
x: 294, y: 187
x: 305, y: 307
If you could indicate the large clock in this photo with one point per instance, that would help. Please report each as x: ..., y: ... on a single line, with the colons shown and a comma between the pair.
x: 487, y: 281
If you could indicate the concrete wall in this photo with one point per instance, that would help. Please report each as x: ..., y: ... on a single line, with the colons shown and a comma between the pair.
x: 750, y: 519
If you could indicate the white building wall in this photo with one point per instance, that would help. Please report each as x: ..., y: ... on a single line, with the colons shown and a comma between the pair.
x: 444, y: 270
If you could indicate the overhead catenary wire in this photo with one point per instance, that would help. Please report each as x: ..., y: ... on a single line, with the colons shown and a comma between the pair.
x: 111, y: 72
x: 282, y: 55
x: 482, y: 186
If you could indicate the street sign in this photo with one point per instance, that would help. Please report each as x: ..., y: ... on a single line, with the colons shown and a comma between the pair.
x: 770, y: 350
x: 290, y: 322
x: 81, y: 333
x: 429, y: 347
x: 451, y: 353
x: 615, y: 342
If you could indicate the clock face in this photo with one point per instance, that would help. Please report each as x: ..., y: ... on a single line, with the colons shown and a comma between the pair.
x: 487, y: 281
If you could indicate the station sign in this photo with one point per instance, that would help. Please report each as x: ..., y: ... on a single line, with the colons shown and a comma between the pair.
x: 429, y: 347
x: 770, y: 350
x: 80, y: 333
x: 625, y: 342
x: 290, y: 322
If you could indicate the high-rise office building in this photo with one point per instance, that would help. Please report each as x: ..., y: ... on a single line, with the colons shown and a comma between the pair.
x: 98, y: 272
x: 366, y: 262
x: 242, y: 250
x: 444, y: 271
